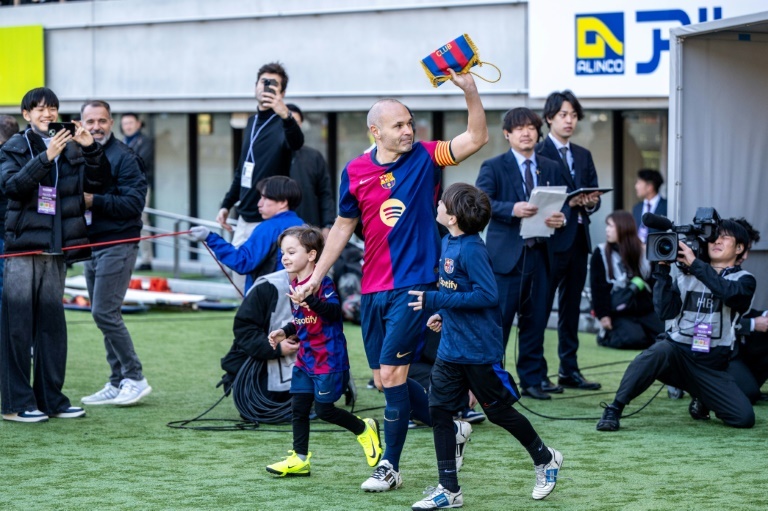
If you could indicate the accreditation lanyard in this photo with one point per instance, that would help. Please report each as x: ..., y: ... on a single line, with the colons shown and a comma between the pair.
x: 46, y: 195
x: 246, y: 175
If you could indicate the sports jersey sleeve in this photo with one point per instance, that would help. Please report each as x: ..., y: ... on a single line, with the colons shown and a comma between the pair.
x: 349, y: 207
x: 440, y: 152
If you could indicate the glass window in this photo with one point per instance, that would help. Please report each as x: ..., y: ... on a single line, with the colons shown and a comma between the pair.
x: 215, y: 166
x: 315, y: 129
x: 645, y: 147
x: 171, y: 192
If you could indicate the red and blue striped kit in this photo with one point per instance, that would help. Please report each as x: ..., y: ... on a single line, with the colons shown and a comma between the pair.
x: 459, y: 55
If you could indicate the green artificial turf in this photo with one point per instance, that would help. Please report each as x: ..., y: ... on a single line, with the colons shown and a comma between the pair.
x: 127, y: 458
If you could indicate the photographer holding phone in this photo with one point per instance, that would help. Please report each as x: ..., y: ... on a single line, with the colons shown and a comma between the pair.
x: 44, y: 178
x: 271, y: 136
x: 701, y: 307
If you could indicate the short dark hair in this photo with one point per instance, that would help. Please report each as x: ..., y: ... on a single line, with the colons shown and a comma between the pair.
x: 280, y: 188
x: 98, y: 104
x: 8, y: 128
x: 311, y: 238
x: 555, y: 101
x: 37, y: 97
x: 521, y: 116
x: 470, y: 205
x: 294, y: 108
x: 276, y: 68
x: 733, y: 228
x: 754, y: 234
x: 651, y: 176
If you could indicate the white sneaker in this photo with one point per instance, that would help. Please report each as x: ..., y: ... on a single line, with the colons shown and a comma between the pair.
x: 546, y: 475
x: 439, y: 498
x: 105, y: 396
x: 463, y: 430
x: 131, y: 392
x: 384, y: 478
x: 28, y: 416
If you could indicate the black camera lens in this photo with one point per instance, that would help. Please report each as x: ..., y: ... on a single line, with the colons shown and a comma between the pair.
x: 665, y: 247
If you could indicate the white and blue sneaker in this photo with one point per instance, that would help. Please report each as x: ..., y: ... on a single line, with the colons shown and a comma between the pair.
x: 73, y: 412
x: 439, y: 498
x: 28, y: 416
x: 546, y: 475
x: 471, y: 416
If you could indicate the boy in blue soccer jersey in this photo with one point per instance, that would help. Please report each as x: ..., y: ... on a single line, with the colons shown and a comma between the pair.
x: 471, y: 348
x: 321, y: 372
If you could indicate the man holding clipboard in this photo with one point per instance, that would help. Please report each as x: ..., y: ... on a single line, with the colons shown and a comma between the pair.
x: 572, y: 244
x: 521, y: 266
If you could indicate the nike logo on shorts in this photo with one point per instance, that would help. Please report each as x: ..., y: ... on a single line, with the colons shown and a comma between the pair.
x: 328, y: 295
x: 323, y: 393
x: 401, y: 355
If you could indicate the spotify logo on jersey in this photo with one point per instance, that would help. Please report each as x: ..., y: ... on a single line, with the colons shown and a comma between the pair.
x: 391, y: 211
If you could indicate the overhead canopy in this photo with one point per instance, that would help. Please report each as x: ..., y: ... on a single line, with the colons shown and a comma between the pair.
x: 718, y: 118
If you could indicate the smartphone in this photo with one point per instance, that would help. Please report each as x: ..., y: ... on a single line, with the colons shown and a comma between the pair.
x: 55, y: 127
x: 269, y: 85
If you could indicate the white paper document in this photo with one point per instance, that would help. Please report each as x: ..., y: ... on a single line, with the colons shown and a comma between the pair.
x: 549, y: 199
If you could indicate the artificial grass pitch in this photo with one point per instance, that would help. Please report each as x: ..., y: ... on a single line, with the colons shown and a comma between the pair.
x: 128, y: 458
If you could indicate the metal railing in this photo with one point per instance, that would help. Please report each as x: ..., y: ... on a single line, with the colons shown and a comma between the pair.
x: 180, y: 244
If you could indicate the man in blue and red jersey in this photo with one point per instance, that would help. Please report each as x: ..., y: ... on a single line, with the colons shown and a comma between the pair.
x: 393, y: 190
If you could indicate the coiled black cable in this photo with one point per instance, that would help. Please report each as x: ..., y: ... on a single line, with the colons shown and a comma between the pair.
x: 250, y: 399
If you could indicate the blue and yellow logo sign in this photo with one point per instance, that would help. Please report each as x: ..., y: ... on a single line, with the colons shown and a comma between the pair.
x: 600, y: 44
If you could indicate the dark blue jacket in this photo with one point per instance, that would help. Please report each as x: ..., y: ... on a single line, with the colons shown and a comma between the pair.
x: 116, y: 214
x: 500, y: 178
x: 586, y: 177
x: 468, y: 301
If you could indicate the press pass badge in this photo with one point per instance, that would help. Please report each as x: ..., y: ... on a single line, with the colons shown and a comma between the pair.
x: 702, y: 337
x: 247, y: 176
x: 46, y: 200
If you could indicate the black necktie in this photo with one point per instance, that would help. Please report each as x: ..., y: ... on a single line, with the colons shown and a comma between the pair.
x: 564, y: 155
x: 528, y: 179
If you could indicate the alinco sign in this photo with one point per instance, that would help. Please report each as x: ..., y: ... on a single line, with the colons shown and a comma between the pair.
x: 621, y: 51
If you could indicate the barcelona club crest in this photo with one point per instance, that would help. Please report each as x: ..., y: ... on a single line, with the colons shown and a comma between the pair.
x: 448, y: 265
x: 387, y: 180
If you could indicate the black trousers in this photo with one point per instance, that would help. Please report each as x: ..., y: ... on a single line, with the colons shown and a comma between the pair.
x: 569, y: 273
x: 632, y: 332
x: 702, y: 375
x: 750, y: 367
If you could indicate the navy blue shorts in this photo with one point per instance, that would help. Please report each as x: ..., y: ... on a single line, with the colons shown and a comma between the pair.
x: 392, y: 331
x: 327, y: 388
x: 490, y: 384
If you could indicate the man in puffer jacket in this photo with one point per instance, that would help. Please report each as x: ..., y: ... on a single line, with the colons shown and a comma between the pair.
x: 44, y: 178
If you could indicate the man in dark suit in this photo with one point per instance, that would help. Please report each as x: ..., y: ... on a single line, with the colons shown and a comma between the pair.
x: 647, y: 188
x: 521, y: 266
x: 572, y: 245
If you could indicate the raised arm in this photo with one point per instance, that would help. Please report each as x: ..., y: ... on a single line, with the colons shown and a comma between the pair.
x: 468, y: 143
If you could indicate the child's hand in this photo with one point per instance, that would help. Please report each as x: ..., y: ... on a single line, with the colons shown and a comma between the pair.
x: 276, y: 337
x: 419, y: 303
x: 435, y: 323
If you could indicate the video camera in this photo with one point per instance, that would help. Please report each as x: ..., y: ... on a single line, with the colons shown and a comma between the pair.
x: 662, y: 246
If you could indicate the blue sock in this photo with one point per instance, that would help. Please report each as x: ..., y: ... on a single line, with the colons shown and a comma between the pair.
x: 419, y: 402
x: 396, y: 415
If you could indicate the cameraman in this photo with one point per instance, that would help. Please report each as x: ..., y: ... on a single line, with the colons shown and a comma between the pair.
x: 703, y: 305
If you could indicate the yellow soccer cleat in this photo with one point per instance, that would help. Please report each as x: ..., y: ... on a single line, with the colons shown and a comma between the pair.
x: 371, y: 442
x: 291, y: 466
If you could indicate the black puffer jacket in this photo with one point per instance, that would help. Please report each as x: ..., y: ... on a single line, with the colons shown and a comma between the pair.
x: 117, y: 212
x: 22, y: 172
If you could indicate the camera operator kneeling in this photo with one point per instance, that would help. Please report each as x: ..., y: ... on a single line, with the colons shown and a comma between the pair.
x: 621, y: 291
x: 703, y: 303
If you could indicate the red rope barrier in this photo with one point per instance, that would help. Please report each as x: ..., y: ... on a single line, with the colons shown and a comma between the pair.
x: 100, y: 244
x: 223, y: 270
